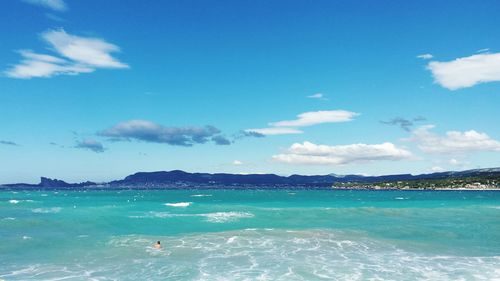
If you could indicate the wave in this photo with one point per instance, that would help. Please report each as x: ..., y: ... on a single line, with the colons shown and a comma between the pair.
x: 52, y: 210
x: 221, y: 217
x: 15, y: 201
x: 179, y: 204
x: 201, y: 195
x: 314, y: 254
x: 217, y: 217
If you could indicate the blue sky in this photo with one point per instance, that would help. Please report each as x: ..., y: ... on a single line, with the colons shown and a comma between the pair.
x: 96, y: 90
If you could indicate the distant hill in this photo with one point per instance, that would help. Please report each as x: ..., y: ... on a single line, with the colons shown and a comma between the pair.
x: 51, y: 183
x: 179, y: 179
x: 177, y: 176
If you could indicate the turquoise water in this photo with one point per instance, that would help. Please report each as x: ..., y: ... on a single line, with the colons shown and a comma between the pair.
x: 249, y: 235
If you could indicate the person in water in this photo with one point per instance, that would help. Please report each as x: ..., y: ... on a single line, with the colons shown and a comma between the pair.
x: 157, y: 245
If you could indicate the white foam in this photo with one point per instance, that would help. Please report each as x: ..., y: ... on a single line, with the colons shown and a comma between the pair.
x: 201, y: 195
x: 13, y: 201
x: 401, y: 198
x: 279, y: 255
x: 289, y: 255
x: 27, y: 237
x: 217, y: 217
x: 52, y: 210
x: 221, y: 217
x: 231, y: 239
x: 179, y: 204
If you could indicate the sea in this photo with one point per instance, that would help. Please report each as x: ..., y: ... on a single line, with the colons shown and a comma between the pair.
x: 249, y: 235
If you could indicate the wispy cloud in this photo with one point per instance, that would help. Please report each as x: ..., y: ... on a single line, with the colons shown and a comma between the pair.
x: 248, y: 133
x: 317, y: 117
x: 4, y: 142
x: 38, y: 65
x: 74, y: 55
x: 221, y: 140
x: 56, y: 5
x: 319, y: 96
x: 148, y: 131
x: 90, y: 144
x: 237, y: 163
x: 436, y: 169
x: 467, y: 71
x: 304, y: 120
x: 274, y: 131
x: 453, y: 141
x: 425, y: 56
x: 405, y: 124
x: 457, y: 163
x: 310, y: 153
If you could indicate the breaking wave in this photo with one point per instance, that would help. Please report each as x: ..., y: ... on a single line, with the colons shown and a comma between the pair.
x: 217, y: 217
x: 179, y: 204
x: 52, y: 210
x: 257, y: 254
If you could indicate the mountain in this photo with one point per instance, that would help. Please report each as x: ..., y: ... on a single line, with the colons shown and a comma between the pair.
x: 51, y: 183
x: 180, y: 179
x: 222, y: 179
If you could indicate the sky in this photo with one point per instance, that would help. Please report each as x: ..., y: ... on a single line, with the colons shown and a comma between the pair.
x: 98, y: 90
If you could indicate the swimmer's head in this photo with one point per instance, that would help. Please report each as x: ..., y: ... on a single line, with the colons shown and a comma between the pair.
x: 157, y: 242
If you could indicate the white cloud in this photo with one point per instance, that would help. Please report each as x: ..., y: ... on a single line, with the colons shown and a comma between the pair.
x: 81, y: 55
x: 237, y: 163
x: 437, y: 169
x: 466, y: 72
x: 457, y: 163
x: 143, y: 130
x: 317, y: 96
x: 317, y: 117
x: 86, y: 50
x: 310, y: 153
x: 453, y: 141
x: 303, y: 120
x: 425, y: 56
x: 274, y: 131
x: 38, y: 65
x: 56, y: 5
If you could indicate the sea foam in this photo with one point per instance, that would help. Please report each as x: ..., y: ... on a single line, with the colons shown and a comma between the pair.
x: 179, y: 204
x: 52, y: 210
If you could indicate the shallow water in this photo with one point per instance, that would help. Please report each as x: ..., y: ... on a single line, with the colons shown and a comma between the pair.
x: 250, y: 235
